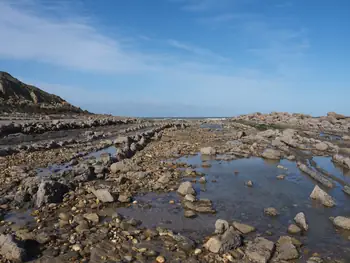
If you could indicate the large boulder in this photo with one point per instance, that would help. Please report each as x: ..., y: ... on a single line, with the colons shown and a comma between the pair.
x: 336, y: 115
x: 122, y: 140
x: 103, y: 195
x: 229, y: 240
x: 243, y: 228
x: 200, y: 206
x: 117, y: 167
x: 315, y: 175
x: 323, y: 197
x: 221, y: 226
x: 342, y: 160
x: 285, y: 249
x: 259, y: 250
x: 165, y: 178
x: 50, y: 192
x: 321, y: 146
x: 271, y: 154
x: 11, y: 249
x: 346, y: 189
x: 186, y: 188
x: 342, y: 222
x: 208, y: 151
x: 288, y: 140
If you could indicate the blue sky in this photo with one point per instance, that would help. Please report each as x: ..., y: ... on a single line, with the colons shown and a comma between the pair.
x: 182, y: 57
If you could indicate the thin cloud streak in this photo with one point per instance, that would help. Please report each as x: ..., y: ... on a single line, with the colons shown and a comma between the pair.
x: 197, y: 50
x: 202, y: 81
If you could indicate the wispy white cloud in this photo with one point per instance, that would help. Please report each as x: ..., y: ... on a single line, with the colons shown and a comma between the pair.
x: 197, y: 50
x: 222, y: 18
x: 27, y: 34
x: 203, y: 5
x: 203, y: 81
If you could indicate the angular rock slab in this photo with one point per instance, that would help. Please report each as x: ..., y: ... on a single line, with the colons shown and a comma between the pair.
x: 103, y: 195
x: 186, y: 188
x: 271, y: 154
x: 50, y: 192
x: 11, y: 249
x: 286, y: 250
x: 259, y: 250
x: 300, y: 219
x: 225, y: 242
x: 342, y: 222
x: 323, y: 197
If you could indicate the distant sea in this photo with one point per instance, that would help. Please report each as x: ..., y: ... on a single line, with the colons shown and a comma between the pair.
x: 183, y: 118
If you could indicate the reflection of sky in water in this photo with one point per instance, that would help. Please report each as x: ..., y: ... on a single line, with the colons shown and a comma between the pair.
x: 51, y: 169
x: 20, y: 218
x: 234, y: 201
x: 112, y: 150
x: 212, y: 126
x: 327, y: 164
x: 331, y: 137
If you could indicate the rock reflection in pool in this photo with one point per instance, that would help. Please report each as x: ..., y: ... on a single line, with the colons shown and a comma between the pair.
x: 234, y: 201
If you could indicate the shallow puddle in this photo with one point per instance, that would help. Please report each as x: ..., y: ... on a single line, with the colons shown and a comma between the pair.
x: 336, y: 170
x: 112, y: 150
x: 212, y: 126
x: 235, y: 201
x: 20, y: 218
x: 331, y: 137
x: 55, y: 168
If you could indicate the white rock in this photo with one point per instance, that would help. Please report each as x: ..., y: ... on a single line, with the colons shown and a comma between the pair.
x: 321, y: 146
x: 243, y: 228
x: 271, y: 154
x: 323, y: 197
x: 342, y: 222
x: 186, y: 188
x: 300, y: 219
x: 208, y: 151
x: 190, y: 198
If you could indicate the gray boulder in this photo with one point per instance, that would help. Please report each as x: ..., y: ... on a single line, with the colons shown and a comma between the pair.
x: 50, y: 192
x: 346, y: 189
x: 221, y: 226
x: 11, y: 249
x: 225, y: 242
x: 286, y: 250
x: 271, y: 154
x: 342, y: 222
x: 259, y: 250
x: 243, y: 228
x: 200, y: 206
x: 165, y: 178
x: 117, y: 167
x: 321, y: 146
x: 208, y: 151
x: 186, y: 188
x: 300, y: 219
x: 323, y: 197
x: 103, y: 195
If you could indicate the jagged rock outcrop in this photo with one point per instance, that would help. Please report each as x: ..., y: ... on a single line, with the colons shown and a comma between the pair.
x: 16, y: 96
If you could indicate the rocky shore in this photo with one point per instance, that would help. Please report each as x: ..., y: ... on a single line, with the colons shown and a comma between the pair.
x: 247, y: 189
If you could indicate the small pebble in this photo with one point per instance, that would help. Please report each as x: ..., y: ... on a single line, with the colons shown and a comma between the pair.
x: 76, y: 247
x: 197, y: 251
x: 249, y: 183
x: 160, y: 259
